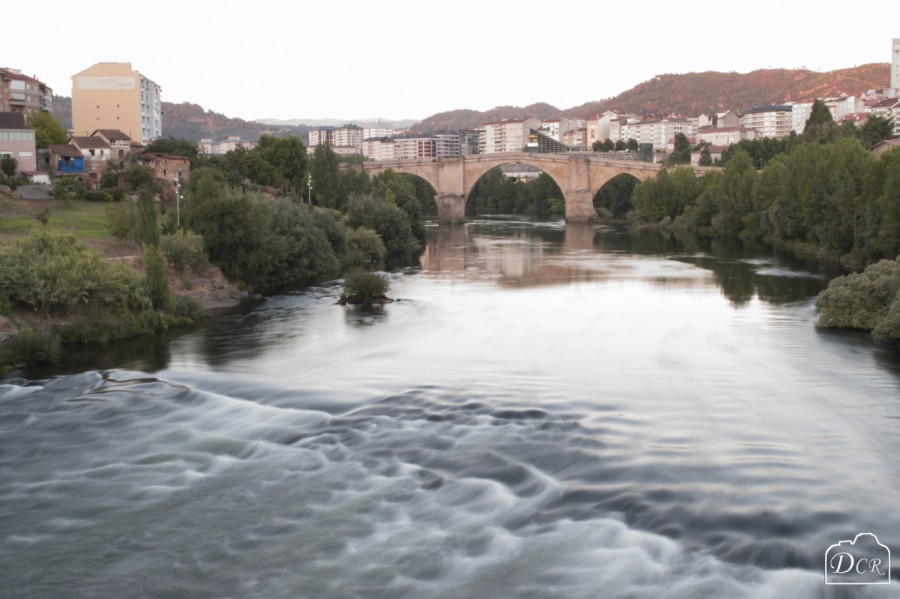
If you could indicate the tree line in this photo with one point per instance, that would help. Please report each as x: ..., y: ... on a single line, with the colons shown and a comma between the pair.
x: 822, y: 194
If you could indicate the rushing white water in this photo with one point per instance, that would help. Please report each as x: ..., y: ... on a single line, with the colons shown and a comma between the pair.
x: 544, y: 413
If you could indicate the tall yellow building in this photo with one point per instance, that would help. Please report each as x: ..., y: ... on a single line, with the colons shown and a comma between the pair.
x: 111, y: 95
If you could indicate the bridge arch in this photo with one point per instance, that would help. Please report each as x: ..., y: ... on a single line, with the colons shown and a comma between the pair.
x: 499, y: 190
x: 579, y: 176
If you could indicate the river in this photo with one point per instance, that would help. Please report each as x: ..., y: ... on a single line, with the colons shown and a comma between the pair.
x: 545, y: 411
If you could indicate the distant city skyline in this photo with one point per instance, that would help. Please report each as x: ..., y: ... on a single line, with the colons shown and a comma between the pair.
x: 400, y: 59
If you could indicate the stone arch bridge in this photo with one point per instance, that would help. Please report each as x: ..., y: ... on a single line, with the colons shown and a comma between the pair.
x: 579, y: 176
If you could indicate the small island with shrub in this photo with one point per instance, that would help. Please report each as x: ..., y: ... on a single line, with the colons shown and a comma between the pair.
x: 365, y: 289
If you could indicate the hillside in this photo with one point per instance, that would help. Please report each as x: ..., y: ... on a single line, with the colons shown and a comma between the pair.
x: 193, y: 122
x: 687, y: 94
x: 690, y: 94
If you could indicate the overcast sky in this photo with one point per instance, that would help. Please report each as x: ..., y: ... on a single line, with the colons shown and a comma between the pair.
x: 397, y: 59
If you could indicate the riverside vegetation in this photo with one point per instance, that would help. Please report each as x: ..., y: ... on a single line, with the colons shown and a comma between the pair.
x: 242, y: 213
x: 821, y: 194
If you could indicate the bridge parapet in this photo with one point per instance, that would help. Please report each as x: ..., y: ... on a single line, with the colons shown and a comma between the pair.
x: 579, y: 176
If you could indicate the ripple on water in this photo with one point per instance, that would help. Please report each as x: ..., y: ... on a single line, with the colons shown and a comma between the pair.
x: 429, y: 493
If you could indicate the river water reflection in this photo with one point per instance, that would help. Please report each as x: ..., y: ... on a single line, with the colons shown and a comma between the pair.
x: 547, y: 411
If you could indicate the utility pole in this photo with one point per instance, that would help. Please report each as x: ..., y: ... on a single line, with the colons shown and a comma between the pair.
x: 309, y: 186
x: 178, y: 199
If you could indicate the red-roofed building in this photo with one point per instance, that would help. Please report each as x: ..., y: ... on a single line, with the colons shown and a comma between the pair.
x: 24, y: 94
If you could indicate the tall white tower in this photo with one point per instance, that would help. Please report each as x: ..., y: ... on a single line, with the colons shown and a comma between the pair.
x: 895, y: 65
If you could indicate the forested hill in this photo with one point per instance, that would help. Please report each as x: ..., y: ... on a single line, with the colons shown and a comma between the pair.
x: 691, y: 94
x: 191, y: 121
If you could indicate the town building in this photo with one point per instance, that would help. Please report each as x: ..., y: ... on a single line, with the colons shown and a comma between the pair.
x: 724, y: 136
x: 575, y: 138
x: 715, y: 153
x: 769, y: 121
x: 111, y: 95
x: 506, y: 135
x: 119, y: 144
x: 343, y: 140
x: 21, y: 93
x: 17, y: 141
x: 413, y: 147
x: 66, y: 159
x: 657, y: 133
x: 895, y: 65
x: 888, y: 108
x: 377, y: 132
x: 218, y: 148
x: 885, y: 145
x: 169, y: 167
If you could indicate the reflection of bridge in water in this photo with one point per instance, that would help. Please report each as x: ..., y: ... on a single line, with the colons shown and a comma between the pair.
x: 524, y: 259
x: 579, y: 176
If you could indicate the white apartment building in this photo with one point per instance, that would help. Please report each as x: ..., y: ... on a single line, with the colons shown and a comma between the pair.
x: 444, y: 145
x: 343, y: 140
x: 769, y: 121
x: 895, y: 64
x: 505, y: 135
x: 217, y: 148
x: 379, y: 149
x: 800, y: 112
x: 889, y: 108
x: 377, y: 132
x: 657, y: 133
x: 724, y: 136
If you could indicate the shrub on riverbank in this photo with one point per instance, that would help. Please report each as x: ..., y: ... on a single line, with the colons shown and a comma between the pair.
x: 32, y: 346
x: 55, y: 282
x: 365, y: 288
x: 869, y: 300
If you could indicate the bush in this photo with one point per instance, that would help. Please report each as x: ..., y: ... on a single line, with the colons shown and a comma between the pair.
x: 184, y: 251
x: 120, y: 219
x: 68, y: 188
x: 364, y: 288
x: 861, y: 300
x: 364, y: 250
x: 33, y: 346
x: 156, y: 285
x: 54, y: 272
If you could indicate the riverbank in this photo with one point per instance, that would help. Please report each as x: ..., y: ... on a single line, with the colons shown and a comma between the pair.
x: 68, y: 281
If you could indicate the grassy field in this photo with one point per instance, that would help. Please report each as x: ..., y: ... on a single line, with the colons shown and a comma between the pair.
x: 85, y: 220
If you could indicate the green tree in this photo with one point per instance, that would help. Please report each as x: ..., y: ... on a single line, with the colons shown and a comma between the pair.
x: 820, y: 126
x: 9, y: 166
x: 156, y: 285
x: 68, y: 188
x: 389, y: 221
x: 326, y: 177
x: 705, y: 156
x: 47, y: 130
x: 287, y: 155
x: 400, y: 191
x: 615, y: 195
x: 682, y: 152
x: 178, y: 146
x: 632, y: 145
x: 146, y: 224
x: 137, y: 176
x: 875, y: 129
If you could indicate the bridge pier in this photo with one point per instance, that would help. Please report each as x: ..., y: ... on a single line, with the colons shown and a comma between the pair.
x: 451, y: 207
x: 580, y: 206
